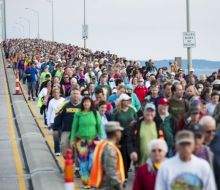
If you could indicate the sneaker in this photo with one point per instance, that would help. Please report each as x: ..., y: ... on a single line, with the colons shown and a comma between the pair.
x: 45, y: 126
x: 33, y: 99
x: 77, y: 174
x: 87, y: 187
x: 126, y: 180
x: 57, y: 154
x: 29, y: 98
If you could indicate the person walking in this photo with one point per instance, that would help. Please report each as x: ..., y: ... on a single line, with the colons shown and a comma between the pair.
x: 145, y: 177
x: 126, y: 116
x: 31, y: 80
x: 185, y: 170
x: 63, y: 120
x: 84, y: 135
x: 213, y: 103
x: 201, y: 150
x: 141, y: 90
x: 178, y: 105
x: 108, y: 169
x: 216, y: 116
x: 105, y: 117
x: 135, y: 101
x: 140, y: 135
x: 211, y: 138
x: 54, y: 104
x: 165, y: 122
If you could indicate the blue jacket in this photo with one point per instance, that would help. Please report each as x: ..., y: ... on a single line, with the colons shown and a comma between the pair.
x: 44, y: 64
x: 215, y: 145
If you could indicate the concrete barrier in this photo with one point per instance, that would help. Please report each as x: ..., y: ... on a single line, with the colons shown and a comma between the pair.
x: 44, y: 171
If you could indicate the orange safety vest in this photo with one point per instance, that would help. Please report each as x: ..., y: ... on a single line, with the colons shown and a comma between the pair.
x: 97, y: 170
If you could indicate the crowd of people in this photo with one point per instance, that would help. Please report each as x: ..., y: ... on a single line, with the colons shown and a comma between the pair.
x: 113, y: 112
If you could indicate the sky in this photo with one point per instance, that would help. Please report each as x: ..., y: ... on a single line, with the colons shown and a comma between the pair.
x: 135, y: 29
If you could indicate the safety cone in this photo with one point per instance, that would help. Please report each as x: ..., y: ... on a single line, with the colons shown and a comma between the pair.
x: 68, y: 172
x: 9, y: 63
x: 17, y: 88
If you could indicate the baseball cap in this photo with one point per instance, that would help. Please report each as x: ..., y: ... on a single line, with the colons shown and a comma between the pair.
x: 129, y: 86
x: 195, y: 102
x: 163, y: 79
x: 117, y: 75
x: 113, y: 126
x: 191, y: 69
x: 185, y: 136
x: 194, y: 110
x: 202, y: 77
x: 163, y: 101
x: 150, y: 106
x: 172, y: 73
x: 160, y: 76
x: 114, y: 91
x: 217, y: 81
x: 196, y: 128
x: 210, y: 79
x: 124, y: 97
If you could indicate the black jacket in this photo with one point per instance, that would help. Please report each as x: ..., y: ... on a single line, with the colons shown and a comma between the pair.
x: 133, y: 140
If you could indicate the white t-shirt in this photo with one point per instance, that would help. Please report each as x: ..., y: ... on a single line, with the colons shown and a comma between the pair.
x: 176, y: 174
x: 147, y: 84
x: 52, y: 108
x: 210, y: 108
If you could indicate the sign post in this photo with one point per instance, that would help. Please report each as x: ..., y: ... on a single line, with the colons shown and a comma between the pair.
x: 189, y: 39
x: 85, y: 32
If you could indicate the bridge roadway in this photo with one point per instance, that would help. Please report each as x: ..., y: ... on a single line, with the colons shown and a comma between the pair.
x: 26, y: 147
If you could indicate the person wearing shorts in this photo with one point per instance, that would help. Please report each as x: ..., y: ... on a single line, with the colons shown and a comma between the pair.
x: 31, y: 80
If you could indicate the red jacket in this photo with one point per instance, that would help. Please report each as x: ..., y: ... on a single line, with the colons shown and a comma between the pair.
x: 141, y: 92
x: 144, y: 180
x: 182, y: 121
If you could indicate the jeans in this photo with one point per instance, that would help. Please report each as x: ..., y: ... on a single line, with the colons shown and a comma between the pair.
x: 37, y: 87
x: 170, y: 153
x: 20, y: 73
x: 57, y: 141
x: 24, y: 79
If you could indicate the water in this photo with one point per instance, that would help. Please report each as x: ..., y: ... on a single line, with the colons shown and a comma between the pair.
x: 201, y: 66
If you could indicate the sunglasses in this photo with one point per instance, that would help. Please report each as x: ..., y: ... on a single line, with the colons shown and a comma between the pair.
x: 156, y: 150
x: 211, y: 131
x: 155, y: 86
x: 140, y: 81
x: 85, y: 94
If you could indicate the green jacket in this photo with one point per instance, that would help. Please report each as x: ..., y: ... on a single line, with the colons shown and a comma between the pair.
x: 86, y: 126
x: 169, y: 128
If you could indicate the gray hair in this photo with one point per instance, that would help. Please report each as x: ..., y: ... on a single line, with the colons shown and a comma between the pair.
x: 207, y: 120
x: 73, y: 79
x: 161, y: 142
